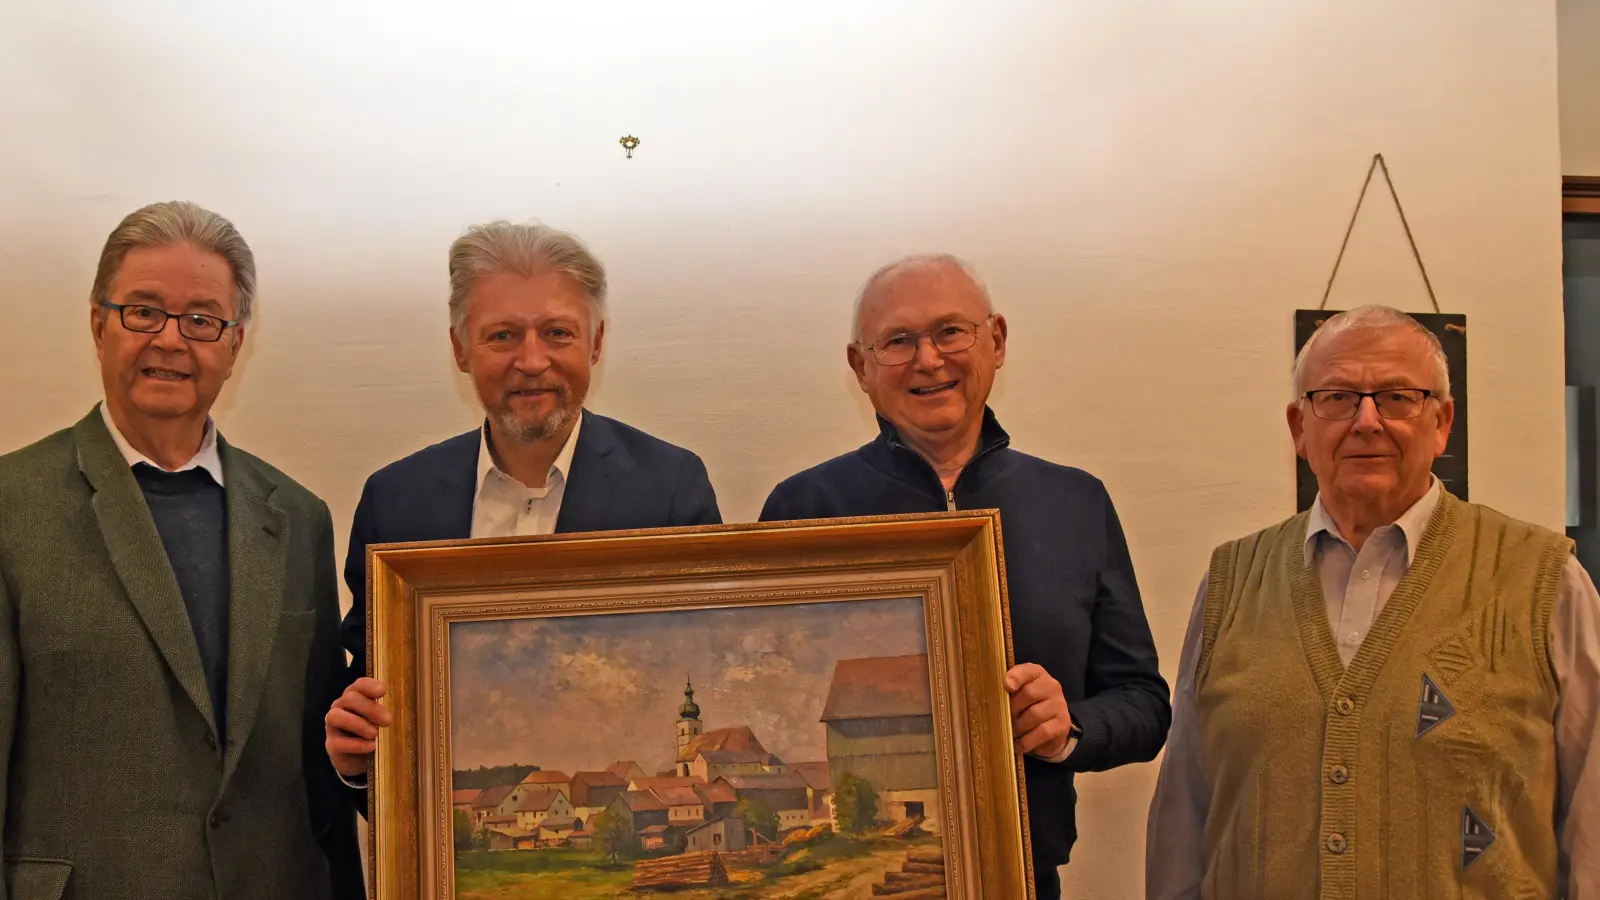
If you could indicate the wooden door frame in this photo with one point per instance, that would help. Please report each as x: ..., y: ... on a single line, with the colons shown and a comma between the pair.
x: 1580, y: 195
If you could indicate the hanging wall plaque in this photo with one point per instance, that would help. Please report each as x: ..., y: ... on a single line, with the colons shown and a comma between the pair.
x: 1449, y: 328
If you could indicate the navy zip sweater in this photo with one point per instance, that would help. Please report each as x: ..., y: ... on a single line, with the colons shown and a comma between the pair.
x: 1075, y: 607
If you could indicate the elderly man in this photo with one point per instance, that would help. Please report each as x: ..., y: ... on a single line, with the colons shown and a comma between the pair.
x: 1087, y: 694
x: 527, y: 320
x: 168, y: 613
x: 1394, y: 693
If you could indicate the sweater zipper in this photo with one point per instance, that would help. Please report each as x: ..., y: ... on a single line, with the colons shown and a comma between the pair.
x: 950, y: 495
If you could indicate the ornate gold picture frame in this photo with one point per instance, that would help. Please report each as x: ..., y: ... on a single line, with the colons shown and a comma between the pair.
x: 739, y: 712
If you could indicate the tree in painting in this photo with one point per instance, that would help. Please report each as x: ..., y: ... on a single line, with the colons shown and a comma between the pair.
x: 855, y: 804
x: 463, y: 829
x: 758, y: 816
x: 612, y: 836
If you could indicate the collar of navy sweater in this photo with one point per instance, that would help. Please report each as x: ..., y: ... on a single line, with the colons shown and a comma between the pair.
x: 909, y: 465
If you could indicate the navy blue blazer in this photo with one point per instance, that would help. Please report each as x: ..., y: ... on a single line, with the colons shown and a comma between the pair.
x: 621, y: 478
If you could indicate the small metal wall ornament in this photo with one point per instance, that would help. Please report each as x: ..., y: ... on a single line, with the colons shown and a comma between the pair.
x: 628, y: 143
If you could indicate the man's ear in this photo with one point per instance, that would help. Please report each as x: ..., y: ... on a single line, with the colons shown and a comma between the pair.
x: 97, y: 326
x: 998, y: 326
x: 1297, y: 427
x: 458, y: 349
x: 858, y: 363
x: 1447, y: 420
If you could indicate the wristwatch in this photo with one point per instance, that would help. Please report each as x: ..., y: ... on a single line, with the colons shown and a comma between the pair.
x: 1074, y: 733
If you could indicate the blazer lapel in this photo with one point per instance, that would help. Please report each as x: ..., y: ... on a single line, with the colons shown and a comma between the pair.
x: 257, y: 536
x: 458, y: 479
x: 586, y: 502
x: 140, y: 559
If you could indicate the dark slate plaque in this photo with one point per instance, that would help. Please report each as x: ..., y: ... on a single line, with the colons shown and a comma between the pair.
x: 1451, y: 329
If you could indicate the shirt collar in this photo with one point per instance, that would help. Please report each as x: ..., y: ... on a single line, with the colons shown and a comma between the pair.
x: 1412, y: 523
x: 889, y: 453
x: 562, y: 467
x: 208, y: 457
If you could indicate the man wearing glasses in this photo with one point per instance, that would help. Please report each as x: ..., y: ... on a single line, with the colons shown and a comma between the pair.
x: 168, y: 613
x: 1087, y: 693
x: 1394, y: 693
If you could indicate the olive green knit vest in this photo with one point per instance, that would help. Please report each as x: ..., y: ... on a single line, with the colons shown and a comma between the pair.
x: 1424, y: 770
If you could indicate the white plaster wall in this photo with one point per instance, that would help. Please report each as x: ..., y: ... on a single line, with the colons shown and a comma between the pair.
x: 1150, y: 187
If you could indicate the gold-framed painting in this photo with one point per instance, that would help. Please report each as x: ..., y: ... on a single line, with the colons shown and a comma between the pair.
x: 774, y: 711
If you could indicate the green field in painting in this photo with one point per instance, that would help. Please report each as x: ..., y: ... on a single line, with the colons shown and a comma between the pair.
x: 836, y: 869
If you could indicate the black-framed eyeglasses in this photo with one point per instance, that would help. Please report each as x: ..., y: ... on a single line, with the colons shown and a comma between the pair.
x: 1394, y: 403
x: 951, y: 336
x: 151, y: 319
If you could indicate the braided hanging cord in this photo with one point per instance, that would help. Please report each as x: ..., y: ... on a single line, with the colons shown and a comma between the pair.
x: 1377, y: 163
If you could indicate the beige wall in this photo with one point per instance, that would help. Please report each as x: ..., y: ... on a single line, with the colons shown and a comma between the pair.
x: 1578, y: 27
x: 1151, y: 189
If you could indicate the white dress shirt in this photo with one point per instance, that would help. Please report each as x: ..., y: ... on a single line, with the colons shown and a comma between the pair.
x: 1355, y: 587
x: 502, y: 506
x: 207, y: 458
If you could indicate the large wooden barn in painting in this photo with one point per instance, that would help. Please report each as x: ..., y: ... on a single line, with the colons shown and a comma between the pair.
x: 879, y: 725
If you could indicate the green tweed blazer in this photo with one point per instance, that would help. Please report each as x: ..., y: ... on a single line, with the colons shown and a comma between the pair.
x: 117, y: 784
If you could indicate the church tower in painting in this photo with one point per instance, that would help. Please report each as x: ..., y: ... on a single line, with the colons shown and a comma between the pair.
x: 689, y: 725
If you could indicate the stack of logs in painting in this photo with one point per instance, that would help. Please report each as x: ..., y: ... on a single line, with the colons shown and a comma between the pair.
x: 687, y: 870
x: 921, y: 877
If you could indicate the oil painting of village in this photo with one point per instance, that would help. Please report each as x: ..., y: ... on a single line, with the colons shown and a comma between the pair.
x: 752, y: 753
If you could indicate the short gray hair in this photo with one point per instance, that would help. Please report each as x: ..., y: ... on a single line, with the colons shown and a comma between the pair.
x: 1377, y: 317
x: 917, y: 261
x: 179, y: 222
x: 504, y: 248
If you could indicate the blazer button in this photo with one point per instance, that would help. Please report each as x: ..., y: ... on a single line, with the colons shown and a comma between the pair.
x: 1337, y: 843
x: 1345, y: 706
x: 1338, y: 774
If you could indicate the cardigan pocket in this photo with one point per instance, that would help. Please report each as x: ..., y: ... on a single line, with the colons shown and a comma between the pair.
x: 35, y: 878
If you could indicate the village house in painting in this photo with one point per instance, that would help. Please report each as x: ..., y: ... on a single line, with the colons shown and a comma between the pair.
x: 719, y: 799
x: 725, y: 835
x: 555, y: 831
x: 490, y: 801
x: 879, y: 724
x: 627, y: 770
x: 502, y: 833
x: 594, y: 791
x: 653, y: 837
x: 640, y: 810
x: 819, y: 788
x: 538, y: 804
x: 550, y: 779
x: 684, y: 805
x: 786, y: 794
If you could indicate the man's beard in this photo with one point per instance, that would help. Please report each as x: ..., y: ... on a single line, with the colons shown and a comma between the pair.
x: 520, y: 429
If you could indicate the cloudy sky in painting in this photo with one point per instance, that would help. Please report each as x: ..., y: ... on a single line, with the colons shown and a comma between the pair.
x: 581, y: 692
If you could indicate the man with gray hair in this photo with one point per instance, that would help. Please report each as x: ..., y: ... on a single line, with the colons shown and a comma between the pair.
x: 527, y: 321
x: 168, y: 614
x: 1086, y: 694
x: 1394, y: 693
